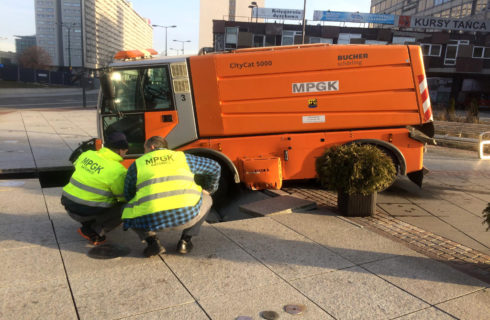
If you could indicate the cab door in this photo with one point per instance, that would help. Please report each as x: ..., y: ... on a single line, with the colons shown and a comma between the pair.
x: 150, y: 100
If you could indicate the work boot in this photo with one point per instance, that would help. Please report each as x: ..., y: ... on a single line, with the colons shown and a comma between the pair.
x: 153, y: 247
x: 185, y: 245
x: 92, y: 236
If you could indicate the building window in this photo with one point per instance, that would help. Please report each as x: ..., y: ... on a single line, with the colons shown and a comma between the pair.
x: 258, y: 40
x: 344, y: 38
x: 466, y: 10
x: 402, y: 40
x: 481, y: 52
x: 231, y: 37
x: 451, y: 54
x: 439, y: 2
x: 456, y: 12
x: 288, y: 37
x: 320, y: 40
x: 452, y: 51
x: 431, y: 50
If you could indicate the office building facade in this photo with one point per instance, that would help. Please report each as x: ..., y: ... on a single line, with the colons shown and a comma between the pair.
x: 433, y: 8
x: 24, y: 42
x: 100, y: 27
x: 232, y: 10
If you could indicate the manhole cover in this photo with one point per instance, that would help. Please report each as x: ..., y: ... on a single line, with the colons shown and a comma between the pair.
x: 269, y: 315
x: 294, y: 308
x: 108, y: 251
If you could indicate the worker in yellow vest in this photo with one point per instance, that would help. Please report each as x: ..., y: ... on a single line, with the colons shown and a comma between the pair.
x: 161, y: 193
x: 94, y: 195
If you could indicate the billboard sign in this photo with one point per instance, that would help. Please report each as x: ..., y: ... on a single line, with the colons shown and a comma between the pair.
x: 357, y: 17
x: 444, y: 23
x: 279, y: 14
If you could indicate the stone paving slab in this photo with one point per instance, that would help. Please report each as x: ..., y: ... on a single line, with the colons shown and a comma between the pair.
x: 220, y: 273
x: 351, y: 242
x: 20, y: 235
x: 286, y: 252
x: 446, y: 230
x: 277, y: 205
x: 430, y: 280
x: 32, y: 140
x: 189, y: 311
x: 21, y: 202
x: 354, y: 293
x: 37, y: 300
x: 127, y: 290
x: 474, y: 306
x: 29, y: 265
x: 427, y: 314
x: 270, y: 298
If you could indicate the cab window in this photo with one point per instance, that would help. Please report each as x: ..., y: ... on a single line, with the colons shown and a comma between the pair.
x: 141, y: 89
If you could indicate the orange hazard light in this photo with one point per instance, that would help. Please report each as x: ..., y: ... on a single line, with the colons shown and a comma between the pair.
x: 135, y: 54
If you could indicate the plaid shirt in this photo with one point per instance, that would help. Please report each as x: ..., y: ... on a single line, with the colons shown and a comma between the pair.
x: 210, y: 171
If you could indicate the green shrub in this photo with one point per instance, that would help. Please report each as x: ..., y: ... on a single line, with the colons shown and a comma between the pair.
x: 355, y: 168
x: 451, y: 110
x: 486, y: 216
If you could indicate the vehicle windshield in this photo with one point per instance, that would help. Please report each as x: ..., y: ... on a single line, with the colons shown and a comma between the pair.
x: 140, y: 89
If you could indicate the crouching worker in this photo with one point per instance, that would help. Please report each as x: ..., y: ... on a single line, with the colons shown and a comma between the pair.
x: 162, y: 194
x: 94, y: 195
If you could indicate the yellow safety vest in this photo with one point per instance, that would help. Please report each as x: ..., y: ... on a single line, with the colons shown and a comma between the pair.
x: 164, y: 182
x: 98, y: 180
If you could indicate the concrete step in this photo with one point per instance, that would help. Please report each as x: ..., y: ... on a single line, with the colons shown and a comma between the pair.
x: 277, y: 205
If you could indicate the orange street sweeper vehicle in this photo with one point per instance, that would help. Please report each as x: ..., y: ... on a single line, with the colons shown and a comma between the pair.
x: 266, y: 114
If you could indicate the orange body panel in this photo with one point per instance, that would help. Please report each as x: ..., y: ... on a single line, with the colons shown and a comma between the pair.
x: 155, y: 126
x: 251, y: 92
x: 298, y: 151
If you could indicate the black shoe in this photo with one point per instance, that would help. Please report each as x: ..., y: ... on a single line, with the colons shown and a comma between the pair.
x: 92, y: 236
x: 154, y: 247
x: 184, y: 246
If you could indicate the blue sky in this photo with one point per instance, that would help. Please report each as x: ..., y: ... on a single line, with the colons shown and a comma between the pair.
x: 17, y: 18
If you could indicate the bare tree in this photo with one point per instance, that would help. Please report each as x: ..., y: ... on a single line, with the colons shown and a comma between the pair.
x: 35, y: 58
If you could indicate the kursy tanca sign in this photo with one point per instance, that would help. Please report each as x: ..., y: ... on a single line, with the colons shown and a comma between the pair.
x: 444, y: 23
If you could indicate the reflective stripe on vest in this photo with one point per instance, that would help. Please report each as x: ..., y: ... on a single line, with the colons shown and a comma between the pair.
x: 164, y: 182
x: 90, y: 189
x: 90, y: 184
x: 87, y: 202
x: 162, y: 179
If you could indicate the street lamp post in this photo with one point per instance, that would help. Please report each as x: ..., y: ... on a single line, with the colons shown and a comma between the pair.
x: 166, y: 27
x: 182, y: 44
x: 304, y: 21
x: 253, y: 5
x: 69, y: 26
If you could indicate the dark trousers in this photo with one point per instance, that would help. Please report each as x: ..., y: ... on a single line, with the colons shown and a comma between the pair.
x: 191, y: 228
x: 102, y: 222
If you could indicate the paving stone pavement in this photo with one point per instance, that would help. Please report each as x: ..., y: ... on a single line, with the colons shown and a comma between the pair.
x: 335, y: 267
x: 386, y: 222
x: 33, y: 140
x: 338, y: 268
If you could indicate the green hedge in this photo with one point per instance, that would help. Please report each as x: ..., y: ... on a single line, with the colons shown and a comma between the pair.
x: 355, y: 168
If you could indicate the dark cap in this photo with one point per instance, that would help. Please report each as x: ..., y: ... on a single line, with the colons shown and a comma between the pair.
x: 116, y: 140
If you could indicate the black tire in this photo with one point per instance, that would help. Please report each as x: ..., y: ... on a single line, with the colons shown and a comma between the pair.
x: 226, y: 187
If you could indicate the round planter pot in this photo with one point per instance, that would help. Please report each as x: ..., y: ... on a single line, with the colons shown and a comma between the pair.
x: 356, y: 205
